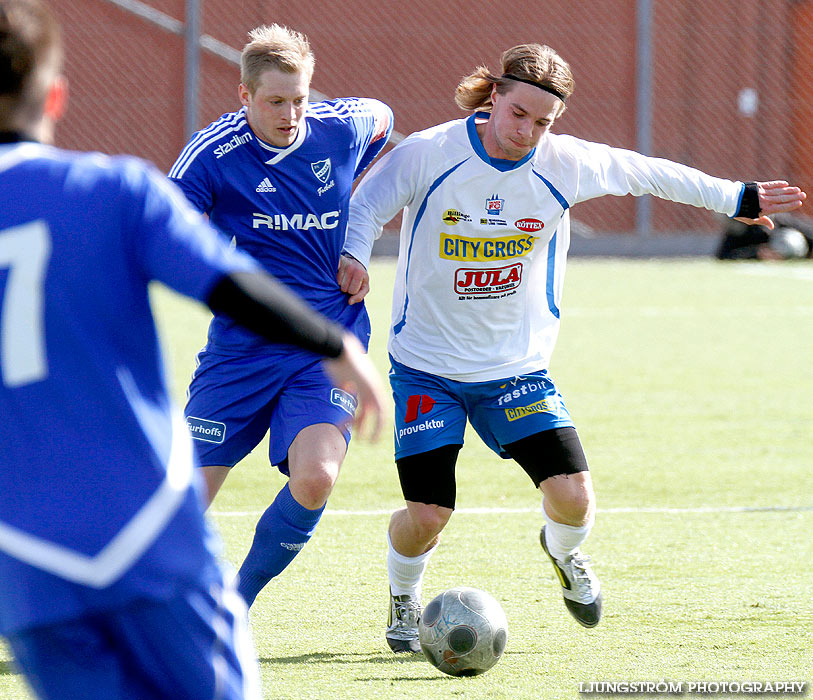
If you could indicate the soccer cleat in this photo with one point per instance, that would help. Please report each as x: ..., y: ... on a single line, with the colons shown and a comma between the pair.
x: 402, y: 630
x: 580, y: 587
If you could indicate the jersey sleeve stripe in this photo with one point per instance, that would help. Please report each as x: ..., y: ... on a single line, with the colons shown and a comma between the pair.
x: 556, y: 193
x: 398, y: 326
x: 204, y: 139
x: 205, y: 133
x: 550, y: 285
x: 340, y: 108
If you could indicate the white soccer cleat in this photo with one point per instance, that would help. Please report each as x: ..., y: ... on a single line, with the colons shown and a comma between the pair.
x: 580, y: 587
x: 402, y: 630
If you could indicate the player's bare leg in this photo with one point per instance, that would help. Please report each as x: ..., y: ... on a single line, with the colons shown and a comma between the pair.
x: 569, y: 498
x: 214, y: 477
x: 314, y: 460
x: 416, y: 529
x: 413, y: 534
x: 569, y: 509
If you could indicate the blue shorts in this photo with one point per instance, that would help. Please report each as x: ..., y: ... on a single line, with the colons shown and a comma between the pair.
x: 234, y: 400
x: 194, y: 646
x: 431, y: 411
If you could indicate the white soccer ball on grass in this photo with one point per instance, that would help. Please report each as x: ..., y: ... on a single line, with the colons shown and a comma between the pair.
x: 463, y: 631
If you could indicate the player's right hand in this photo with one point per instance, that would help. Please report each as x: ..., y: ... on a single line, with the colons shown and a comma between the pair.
x: 353, y: 278
x: 353, y: 371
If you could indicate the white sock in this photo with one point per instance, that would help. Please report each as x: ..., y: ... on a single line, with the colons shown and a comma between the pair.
x: 562, y: 540
x: 406, y: 573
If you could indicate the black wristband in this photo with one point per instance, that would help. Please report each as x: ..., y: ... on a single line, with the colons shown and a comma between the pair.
x: 749, y: 206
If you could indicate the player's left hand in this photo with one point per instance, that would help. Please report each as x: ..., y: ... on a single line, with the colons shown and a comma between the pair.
x: 776, y: 197
x: 353, y: 278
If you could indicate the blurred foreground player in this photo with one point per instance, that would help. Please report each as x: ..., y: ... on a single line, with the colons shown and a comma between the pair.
x: 478, y: 289
x: 108, y: 586
x: 277, y: 176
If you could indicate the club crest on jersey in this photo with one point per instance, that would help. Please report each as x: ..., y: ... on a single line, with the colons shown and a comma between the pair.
x: 494, y: 205
x: 322, y: 169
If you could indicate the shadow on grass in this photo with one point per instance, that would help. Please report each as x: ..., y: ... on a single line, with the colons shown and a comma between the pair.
x: 359, y: 658
x: 362, y: 658
x: 344, y: 658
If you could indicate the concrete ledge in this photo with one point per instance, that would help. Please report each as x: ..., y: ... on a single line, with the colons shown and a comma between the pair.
x: 635, y: 246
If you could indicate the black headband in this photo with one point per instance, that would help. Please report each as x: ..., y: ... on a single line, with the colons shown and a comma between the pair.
x: 546, y: 88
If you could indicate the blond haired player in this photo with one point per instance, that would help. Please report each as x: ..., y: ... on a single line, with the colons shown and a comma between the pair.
x: 276, y: 175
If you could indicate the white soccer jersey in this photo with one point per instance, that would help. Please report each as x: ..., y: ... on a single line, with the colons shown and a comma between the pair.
x: 484, y: 241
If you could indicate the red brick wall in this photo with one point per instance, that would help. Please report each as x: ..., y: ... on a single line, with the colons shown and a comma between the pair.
x: 127, y: 76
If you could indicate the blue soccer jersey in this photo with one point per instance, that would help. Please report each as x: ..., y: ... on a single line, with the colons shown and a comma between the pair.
x: 287, y: 207
x: 96, y: 507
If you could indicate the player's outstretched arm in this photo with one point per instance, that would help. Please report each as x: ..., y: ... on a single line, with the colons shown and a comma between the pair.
x: 761, y: 199
x: 353, y: 278
x: 262, y: 304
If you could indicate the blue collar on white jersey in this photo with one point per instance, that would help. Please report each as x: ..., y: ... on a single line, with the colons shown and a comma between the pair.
x: 499, y: 163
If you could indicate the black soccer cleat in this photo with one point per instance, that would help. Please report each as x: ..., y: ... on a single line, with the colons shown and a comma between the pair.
x: 580, y: 587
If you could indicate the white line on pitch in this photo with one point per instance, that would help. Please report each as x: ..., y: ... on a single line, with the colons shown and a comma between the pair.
x: 601, y: 511
x: 754, y: 311
x: 790, y: 272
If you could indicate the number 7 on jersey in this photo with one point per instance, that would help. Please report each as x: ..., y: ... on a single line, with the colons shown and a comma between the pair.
x: 24, y: 253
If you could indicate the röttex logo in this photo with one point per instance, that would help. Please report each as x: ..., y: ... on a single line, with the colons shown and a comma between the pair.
x: 529, y: 225
x: 418, y: 401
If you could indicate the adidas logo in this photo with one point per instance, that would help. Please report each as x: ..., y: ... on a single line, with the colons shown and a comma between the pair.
x: 266, y: 186
x: 292, y: 546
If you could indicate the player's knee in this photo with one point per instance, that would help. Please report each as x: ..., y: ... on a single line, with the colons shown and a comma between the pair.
x: 428, y: 521
x: 571, y: 506
x: 579, y: 510
x: 312, y: 487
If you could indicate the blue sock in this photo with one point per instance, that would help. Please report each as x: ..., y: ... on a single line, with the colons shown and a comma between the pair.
x: 281, y: 533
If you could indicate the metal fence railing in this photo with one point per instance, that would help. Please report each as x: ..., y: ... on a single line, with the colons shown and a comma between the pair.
x: 721, y: 86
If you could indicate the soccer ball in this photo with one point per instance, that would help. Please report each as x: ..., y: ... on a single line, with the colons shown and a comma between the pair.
x: 463, y: 631
x: 788, y: 242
